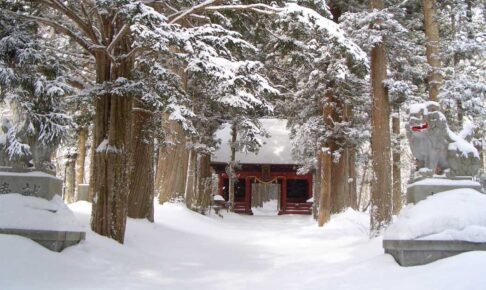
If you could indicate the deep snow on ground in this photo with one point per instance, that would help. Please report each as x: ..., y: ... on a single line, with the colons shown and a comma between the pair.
x: 458, y: 214
x: 184, y: 250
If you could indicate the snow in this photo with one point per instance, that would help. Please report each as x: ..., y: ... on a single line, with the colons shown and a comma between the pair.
x: 184, y: 250
x: 454, y: 214
x: 28, y: 212
x: 416, y: 108
x: 309, y: 16
x: 25, y: 174
x: 218, y: 197
x: 463, y: 146
x: 444, y: 181
x: 275, y: 150
x: 269, y: 208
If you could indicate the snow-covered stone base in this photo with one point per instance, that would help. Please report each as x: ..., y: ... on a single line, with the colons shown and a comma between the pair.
x: 443, y: 225
x: 421, y: 252
x: 49, y: 223
x: 420, y: 190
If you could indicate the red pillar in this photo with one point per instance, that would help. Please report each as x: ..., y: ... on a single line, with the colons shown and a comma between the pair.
x: 283, y: 204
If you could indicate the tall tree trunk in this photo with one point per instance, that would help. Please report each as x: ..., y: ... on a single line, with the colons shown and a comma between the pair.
x: 191, y: 176
x: 91, y: 169
x: 80, y: 161
x: 172, y: 165
x: 351, y: 166
x: 231, y: 189
x: 69, y: 180
x: 339, y: 167
x: 397, y: 175
x: 326, y: 166
x: 339, y: 183
x: 353, y: 194
x: 317, y: 186
x: 112, y: 139
x: 141, y: 196
x: 381, y: 187
x: 204, y: 182
x: 432, y: 48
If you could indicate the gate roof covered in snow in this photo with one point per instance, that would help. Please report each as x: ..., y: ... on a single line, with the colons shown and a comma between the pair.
x: 276, y: 148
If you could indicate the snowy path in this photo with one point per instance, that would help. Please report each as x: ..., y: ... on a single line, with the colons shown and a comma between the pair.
x: 184, y: 250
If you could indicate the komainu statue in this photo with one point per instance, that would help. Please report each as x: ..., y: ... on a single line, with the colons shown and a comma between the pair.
x: 436, y: 147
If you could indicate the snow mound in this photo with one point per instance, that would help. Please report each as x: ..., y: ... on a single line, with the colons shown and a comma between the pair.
x: 28, y: 212
x: 458, y: 214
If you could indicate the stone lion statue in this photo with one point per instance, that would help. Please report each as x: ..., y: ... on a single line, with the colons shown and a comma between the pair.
x: 436, y: 147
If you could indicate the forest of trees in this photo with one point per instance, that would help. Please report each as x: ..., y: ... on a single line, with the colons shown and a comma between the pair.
x: 134, y: 90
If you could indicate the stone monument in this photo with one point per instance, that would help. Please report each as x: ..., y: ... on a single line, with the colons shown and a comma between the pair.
x: 445, y: 160
x: 26, y: 169
x: 25, y: 164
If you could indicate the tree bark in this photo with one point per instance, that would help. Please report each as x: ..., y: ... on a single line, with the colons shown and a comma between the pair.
x: 191, y: 176
x: 141, y: 196
x: 112, y: 139
x: 381, y: 187
x: 172, y: 165
x: 353, y: 194
x: 204, y: 182
x: 397, y: 175
x: 231, y: 183
x: 431, y: 26
x: 69, y: 180
x: 339, y: 183
x: 326, y: 167
x: 80, y: 161
x: 317, y: 186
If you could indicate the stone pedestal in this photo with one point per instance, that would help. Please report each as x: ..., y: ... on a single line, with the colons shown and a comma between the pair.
x: 420, y: 189
x: 29, y: 182
x: 421, y: 252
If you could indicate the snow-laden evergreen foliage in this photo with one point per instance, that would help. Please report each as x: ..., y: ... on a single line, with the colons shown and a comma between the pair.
x: 463, y: 92
x: 33, y: 85
x: 317, y: 58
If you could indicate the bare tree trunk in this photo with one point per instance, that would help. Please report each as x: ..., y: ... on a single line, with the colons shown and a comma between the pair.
x: 362, y: 184
x: 339, y: 183
x: 432, y: 48
x: 189, y: 190
x: 231, y: 189
x: 112, y: 139
x: 381, y: 187
x: 325, y: 194
x: 326, y: 167
x: 353, y: 194
x: 172, y: 165
x: 80, y: 161
x: 69, y: 180
x: 317, y: 186
x: 91, y: 170
x: 204, y: 183
x: 397, y: 175
x: 141, y: 196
